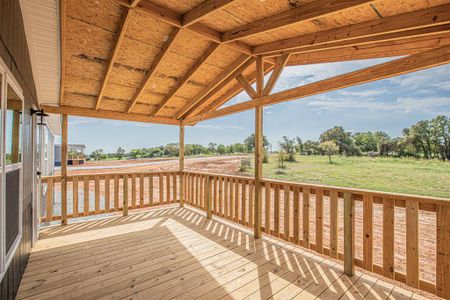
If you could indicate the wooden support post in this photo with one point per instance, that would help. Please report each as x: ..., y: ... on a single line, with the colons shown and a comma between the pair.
x: 208, y: 203
x: 181, y: 164
x: 64, y: 145
x: 258, y: 149
x: 443, y: 250
x: 349, y: 244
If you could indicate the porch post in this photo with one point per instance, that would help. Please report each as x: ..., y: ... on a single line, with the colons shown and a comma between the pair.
x: 64, y: 157
x: 181, y: 164
x: 258, y: 148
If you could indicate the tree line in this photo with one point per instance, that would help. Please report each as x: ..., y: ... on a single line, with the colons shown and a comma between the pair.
x: 429, y: 139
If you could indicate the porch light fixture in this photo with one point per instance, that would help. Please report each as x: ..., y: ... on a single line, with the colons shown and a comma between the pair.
x: 41, y: 114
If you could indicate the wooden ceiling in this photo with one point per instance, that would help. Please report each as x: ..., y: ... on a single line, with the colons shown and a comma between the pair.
x: 179, y: 61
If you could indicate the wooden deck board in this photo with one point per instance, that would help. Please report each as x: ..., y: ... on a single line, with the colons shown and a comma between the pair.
x: 172, y: 252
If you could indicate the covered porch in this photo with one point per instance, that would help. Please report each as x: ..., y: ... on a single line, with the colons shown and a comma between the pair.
x: 179, y: 63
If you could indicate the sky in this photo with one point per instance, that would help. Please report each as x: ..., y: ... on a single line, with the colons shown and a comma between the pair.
x: 389, y: 105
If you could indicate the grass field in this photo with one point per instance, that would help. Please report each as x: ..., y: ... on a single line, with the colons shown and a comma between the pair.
x: 409, y: 176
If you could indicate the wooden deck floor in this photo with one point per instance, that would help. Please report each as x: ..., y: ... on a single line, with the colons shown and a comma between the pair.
x: 176, y: 253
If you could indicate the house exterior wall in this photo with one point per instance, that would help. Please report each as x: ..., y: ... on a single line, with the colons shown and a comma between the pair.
x: 15, y: 54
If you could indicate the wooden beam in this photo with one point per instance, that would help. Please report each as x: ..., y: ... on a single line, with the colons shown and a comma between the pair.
x: 257, y: 206
x: 107, y: 114
x: 302, y: 13
x: 438, y: 15
x: 192, y: 71
x: 64, y: 158
x: 349, y: 235
x: 246, y: 86
x: 281, y: 63
x: 259, y: 76
x: 219, y: 87
x: 63, y: 25
x: 123, y: 28
x: 134, y: 3
x: 397, y: 67
x: 165, y: 49
x: 402, y: 47
x: 233, y: 91
x: 427, y: 32
x: 203, y: 10
x: 223, y: 76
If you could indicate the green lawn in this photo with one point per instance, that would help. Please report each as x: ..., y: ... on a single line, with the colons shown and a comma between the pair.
x: 409, y: 176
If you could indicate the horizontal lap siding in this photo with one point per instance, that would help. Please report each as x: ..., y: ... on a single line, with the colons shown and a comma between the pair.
x: 14, y: 52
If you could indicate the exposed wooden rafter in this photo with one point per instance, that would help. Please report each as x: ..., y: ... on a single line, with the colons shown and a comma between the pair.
x: 108, y: 114
x: 219, y: 79
x: 393, y: 68
x: 171, y: 18
x: 439, y: 15
x: 63, y: 32
x: 153, y: 68
x: 231, y: 76
x: 302, y: 13
x: 281, y: 63
x: 259, y: 76
x: 203, y: 10
x: 128, y: 14
x: 134, y: 3
x: 197, y: 65
x: 246, y: 85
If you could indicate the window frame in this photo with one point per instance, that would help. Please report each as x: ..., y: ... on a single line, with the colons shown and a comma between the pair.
x: 6, y: 258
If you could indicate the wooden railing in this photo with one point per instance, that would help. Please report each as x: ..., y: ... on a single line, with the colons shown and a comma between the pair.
x: 107, y: 193
x: 401, y: 237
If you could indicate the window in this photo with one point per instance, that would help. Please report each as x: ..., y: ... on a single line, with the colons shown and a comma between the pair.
x: 11, y: 168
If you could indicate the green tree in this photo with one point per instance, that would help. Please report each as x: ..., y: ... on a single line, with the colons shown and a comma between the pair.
x: 342, y: 139
x: 329, y: 148
x: 136, y: 153
x: 281, y: 158
x: 97, y: 154
x: 221, y: 149
x: 250, y: 142
x: 120, y: 152
x: 289, y: 147
x: 299, y: 145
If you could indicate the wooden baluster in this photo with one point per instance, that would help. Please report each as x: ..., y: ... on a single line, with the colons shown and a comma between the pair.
x: 334, y: 229
x: 49, y: 200
x: 244, y: 202
x: 250, y: 203
x: 349, y: 233
x: 168, y: 195
x: 277, y: 211
x: 305, y: 199
x: 201, y: 192
x: 216, y: 195
x: 221, y: 208
x: 197, y: 191
x: 226, y: 199
x: 232, y: 204
x: 208, y: 198
x: 141, y: 190
x: 175, y: 197
x: 150, y: 190
x: 192, y: 185
x: 296, y: 215
x: 388, y: 237
x: 412, y: 243
x: 319, y: 220
x: 86, y: 195
x: 287, y: 192
x: 125, y: 196
x: 368, y: 232
x: 443, y: 250
x: 268, y: 196
x: 187, y: 190
x: 75, y: 196
x: 116, y: 192
x: 236, y: 199
x: 97, y: 194
x: 161, y: 188
x: 107, y: 194
x: 133, y: 190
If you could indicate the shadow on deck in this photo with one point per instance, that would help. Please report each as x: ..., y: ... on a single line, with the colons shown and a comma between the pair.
x: 175, y: 252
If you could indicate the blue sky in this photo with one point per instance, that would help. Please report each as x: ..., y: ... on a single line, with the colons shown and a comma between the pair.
x: 389, y: 105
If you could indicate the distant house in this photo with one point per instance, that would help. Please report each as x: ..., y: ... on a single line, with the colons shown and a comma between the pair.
x: 75, y: 155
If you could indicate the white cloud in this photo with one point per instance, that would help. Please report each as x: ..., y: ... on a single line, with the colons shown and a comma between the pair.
x: 220, y: 127
x: 81, y: 121
x: 432, y: 105
x: 365, y: 93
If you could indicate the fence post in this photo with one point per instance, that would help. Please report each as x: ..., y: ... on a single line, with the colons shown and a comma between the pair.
x: 349, y: 231
x: 64, y: 157
x: 208, y: 203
